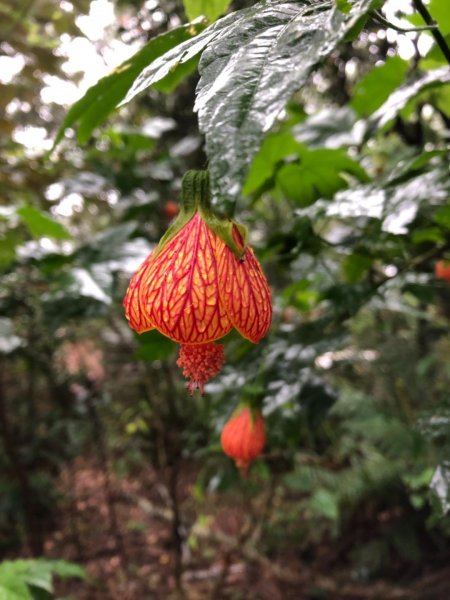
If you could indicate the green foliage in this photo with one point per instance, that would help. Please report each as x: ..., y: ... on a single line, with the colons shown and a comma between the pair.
x: 41, y: 225
x: 373, y: 89
x: 402, y: 96
x: 305, y: 175
x: 254, y: 54
x: 154, y: 346
x: 439, y: 12
x: 211, y: 9
x: 260, y: 69
x: 93, y: 108
x: 33, y: 579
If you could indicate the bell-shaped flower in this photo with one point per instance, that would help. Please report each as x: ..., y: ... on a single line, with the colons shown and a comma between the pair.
x: 200, y: 282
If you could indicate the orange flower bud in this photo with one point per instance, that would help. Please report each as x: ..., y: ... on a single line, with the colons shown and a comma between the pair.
x: 442, y: 270
x: 244, y: 436
x: 200, y: 282
x: 171, y: 209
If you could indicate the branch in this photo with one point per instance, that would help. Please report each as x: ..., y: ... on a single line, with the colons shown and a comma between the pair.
x: 439, y: 38
x: 379, y: 17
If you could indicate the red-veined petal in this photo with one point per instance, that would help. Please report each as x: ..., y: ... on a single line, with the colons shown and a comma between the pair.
x: 135, y: 312
x: 244, y: 292
x: 180, y: 288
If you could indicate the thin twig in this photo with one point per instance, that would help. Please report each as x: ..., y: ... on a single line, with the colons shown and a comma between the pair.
x: 379, y: 17
x: 435, y: 32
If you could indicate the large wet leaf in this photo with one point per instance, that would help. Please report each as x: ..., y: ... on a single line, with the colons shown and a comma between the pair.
x: 250, y: 70
x: 103, y: 97
x: 175, y: 58
x: 395, y: 206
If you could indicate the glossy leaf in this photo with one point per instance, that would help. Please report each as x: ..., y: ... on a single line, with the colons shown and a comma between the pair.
x: 175, y: 58
x: 103, y: 97
x: 329, y: 128
x: 400, y: 98
x: 395, y: 206
x: 249, y: 73
x: 41, y: 225
x: 211, y: 9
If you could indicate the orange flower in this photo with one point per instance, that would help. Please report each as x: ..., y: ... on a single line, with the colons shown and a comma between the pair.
x: 200, y: 282
x: 244, y: 436
x: 442, y: 270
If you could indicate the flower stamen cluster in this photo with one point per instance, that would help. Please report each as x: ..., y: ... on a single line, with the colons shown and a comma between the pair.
x: 200, y: 363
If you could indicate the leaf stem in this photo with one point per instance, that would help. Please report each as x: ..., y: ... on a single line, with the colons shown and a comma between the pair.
x: 439, y: 38
x: 379, y: 17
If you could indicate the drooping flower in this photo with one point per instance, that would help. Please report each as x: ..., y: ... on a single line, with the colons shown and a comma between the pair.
x: 442, y: 270
x: 200, y: 282
x: 244, y: 436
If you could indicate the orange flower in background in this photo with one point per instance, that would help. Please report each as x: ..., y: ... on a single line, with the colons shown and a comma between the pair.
x: 200, y: 282
x: 171, y: 209
x: 244, y: 436
x: 442, y: 270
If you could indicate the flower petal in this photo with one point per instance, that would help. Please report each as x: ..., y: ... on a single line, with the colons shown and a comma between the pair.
x: 135, y: 311
x: 244, y: 292
x: 180, y: 290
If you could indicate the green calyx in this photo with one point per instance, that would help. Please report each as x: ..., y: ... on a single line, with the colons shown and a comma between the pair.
x: 196, y: 197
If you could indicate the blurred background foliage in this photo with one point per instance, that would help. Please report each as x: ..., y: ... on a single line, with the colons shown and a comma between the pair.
x: 106, y: 461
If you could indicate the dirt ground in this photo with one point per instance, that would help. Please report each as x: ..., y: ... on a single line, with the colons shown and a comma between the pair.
x: 122, y: 530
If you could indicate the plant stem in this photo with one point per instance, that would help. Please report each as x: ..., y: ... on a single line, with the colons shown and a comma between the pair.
x: 19, y: 472
x: 378, y: 17
x: 439, y: 38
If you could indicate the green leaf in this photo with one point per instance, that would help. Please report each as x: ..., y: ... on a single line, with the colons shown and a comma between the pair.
x: 319, y: 175
x: 14, y: 590
x: 30, y: 579
x: 373, y: 89
x: 176, y: 76
x: 10, y: 240
x: 274, y: 149
x: 325, y: 504
x: 65, y: 569
x: 177, y: 56
x: 400, y: 98
x: 102, y: 98
x: 154, y: 346
x: 439, y: 10
x: 297, y: 184
x: 330, y: 128
x: 396, y: 206
x: 40, y: 224
x: 249, y: 72
x: 343, y: 5
x: 434, y: 58
x: 429, y: 234
x: 442, y: 216
x: 211, y: 9
x: 355, y: 267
